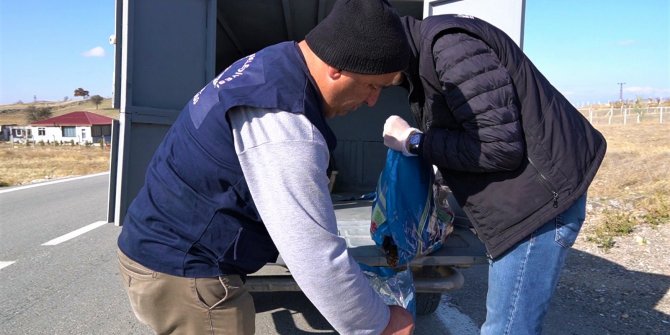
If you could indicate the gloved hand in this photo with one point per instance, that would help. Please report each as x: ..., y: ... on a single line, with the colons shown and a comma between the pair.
x: 396, y: 132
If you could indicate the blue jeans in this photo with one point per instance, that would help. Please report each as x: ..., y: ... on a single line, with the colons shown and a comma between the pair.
x: 522, y: 281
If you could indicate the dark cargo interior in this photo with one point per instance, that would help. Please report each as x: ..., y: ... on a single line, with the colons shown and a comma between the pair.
x: 246, y: 26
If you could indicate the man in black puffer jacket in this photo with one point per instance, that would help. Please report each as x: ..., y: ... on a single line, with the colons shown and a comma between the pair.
x: 516, y: 154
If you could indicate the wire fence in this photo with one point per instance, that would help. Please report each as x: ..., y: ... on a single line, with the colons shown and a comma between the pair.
x: 626, y: 115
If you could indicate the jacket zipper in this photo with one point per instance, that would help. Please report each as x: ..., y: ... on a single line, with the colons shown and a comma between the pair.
x: 547, y: 185
x: 479, y: 236
x: 545, y: 182
x: 488, y: 254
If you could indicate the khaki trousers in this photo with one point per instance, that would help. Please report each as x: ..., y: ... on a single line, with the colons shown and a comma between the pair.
x: 178, y: 305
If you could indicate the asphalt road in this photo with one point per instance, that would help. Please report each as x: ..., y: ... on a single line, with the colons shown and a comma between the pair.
x: 59, y: 275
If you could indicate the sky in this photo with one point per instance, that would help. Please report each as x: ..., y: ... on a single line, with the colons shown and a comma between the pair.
x: 585, y: 48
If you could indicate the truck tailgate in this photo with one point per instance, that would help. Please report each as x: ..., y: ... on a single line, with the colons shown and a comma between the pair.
x: 462, y: 249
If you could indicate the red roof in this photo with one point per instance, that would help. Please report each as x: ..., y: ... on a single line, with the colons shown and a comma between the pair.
x: 75, y: 119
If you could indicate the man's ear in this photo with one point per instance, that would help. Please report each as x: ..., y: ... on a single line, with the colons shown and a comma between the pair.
x: 334, y: 73
x: 398, y: 79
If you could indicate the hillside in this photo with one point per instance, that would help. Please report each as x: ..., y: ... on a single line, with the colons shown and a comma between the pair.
x: 14, y: 113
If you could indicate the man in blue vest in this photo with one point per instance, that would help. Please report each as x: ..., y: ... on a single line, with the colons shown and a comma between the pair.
x: 516, y: 154
x: 242, y: 175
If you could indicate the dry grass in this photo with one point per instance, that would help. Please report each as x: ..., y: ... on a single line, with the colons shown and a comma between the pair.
x: 21, y: 164
x: 14, y: 114
x: 632, y: 186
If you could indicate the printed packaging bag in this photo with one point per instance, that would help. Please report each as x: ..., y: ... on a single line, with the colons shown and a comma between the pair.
x: 406, y: 221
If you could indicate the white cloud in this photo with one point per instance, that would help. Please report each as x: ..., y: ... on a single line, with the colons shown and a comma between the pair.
x: 95, y: 52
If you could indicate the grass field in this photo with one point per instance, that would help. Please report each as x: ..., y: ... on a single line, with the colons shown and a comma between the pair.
x: 632, y: 186
x: 14, y: 114
x: 21, y: 164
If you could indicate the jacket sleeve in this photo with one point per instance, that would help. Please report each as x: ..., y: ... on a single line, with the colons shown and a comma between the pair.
x: 487, y: 135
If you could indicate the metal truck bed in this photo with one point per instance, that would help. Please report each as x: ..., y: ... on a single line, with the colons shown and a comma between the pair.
x: 434, y: 273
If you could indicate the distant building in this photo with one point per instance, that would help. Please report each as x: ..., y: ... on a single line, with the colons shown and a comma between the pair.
x: 14, y: 133
x: 77, y: 127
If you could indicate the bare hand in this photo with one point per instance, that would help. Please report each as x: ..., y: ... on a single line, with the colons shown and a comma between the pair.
x: 400, y: 323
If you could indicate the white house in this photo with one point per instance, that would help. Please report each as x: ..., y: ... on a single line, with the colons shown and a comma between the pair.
x: 77, y: 127
x: 15, y: 133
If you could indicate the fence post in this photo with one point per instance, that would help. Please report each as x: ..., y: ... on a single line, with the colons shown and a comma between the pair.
x: 625, y: 114
x: 609, y: 121
x: 660, y: 112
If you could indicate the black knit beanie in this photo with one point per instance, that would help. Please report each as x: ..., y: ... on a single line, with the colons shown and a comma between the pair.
x: 361, y: 36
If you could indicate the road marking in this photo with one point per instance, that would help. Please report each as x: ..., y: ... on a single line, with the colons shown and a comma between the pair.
x: 73, y: 234
x: 6, y: 264
x: 457, y: 322
x: 51, y: 182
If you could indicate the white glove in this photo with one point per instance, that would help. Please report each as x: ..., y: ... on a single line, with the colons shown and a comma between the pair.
x: 396, y: 132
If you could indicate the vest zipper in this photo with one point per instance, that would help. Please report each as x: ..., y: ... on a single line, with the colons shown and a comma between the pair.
x: 479, y: 236
x: 545, y: 182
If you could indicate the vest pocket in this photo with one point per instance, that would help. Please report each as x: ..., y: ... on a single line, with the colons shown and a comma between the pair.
x: 249, y: 250
x: 510, y: 199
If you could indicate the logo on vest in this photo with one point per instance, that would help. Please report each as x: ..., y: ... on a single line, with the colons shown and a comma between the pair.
x: 465, y: 16
x: 218, y: 82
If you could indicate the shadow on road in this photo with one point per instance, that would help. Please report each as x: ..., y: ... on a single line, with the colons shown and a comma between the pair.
x: 291, y: 312
x: 594, y: 296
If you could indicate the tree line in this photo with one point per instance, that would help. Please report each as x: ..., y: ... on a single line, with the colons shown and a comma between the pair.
x: 96, y: 99
x: 35, y: 113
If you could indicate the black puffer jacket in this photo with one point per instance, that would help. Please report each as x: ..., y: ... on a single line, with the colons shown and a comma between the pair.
x: 512, y: 149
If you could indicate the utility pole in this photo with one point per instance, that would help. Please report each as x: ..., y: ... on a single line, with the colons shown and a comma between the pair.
x: 621, y: 91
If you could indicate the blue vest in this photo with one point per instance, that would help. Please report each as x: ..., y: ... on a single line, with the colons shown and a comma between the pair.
x: 194, y: 216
